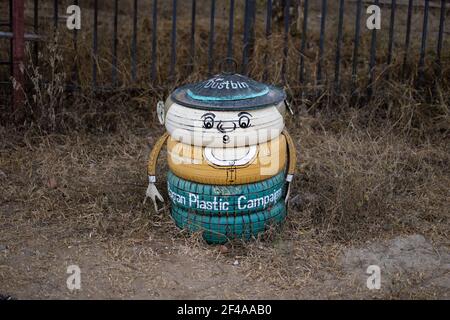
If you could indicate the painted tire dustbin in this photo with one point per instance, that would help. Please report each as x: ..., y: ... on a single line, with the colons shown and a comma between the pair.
x: 231, y: 160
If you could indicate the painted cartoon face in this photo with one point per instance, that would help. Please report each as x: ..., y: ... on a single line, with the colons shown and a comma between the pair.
x: 223, y: 128
x: 226, y: 126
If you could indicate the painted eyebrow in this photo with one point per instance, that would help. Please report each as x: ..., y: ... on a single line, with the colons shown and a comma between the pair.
x: 243, y: 112
x: 208, y: 114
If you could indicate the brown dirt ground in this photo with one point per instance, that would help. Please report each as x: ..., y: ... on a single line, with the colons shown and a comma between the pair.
x: 364, y: 192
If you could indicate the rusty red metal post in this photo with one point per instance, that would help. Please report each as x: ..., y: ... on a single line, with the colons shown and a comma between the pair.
x: 18, y: 51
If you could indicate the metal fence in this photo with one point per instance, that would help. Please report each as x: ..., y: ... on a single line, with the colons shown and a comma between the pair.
x: 294, y: 46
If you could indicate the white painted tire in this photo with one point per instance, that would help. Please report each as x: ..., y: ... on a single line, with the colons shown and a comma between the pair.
x: 190, y: 126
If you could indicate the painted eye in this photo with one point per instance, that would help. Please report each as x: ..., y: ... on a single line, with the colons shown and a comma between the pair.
x: 208, y: 122
x: 244, y: 122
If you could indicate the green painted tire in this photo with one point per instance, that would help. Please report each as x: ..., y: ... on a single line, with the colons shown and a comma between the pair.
x: 226, y: 200
x: 220, y: 229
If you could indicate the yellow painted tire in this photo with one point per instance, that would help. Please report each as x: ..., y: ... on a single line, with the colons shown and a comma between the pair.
x: 190, y: 163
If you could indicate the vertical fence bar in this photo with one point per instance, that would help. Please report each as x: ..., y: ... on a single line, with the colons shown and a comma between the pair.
x: 440, y: 37
x: 18, y: 50
x: 115, y: 43
x: 55, y: 14
x: 423, y: 45
x: 391, y: 31
x: 252, y: 15
x: 372, y: 59
x: 134, y: 43
x: 154, y: 39
x: 407, y: 36
x: 193, y: 13
x: 211, y: 37
x: 321, y: 41
x: 36, y: 30
x: 268, y: 34
x: 95, y: 47
x: 230, y: 31
x: 249, y: 32
x: 11, y: 45
x: 75, y: 75
x: 245, y: 49
x: 173, y: 55
x: 356, y: 45
x: 303, y: 43
x: 338, y: 47
x: 287, y: 5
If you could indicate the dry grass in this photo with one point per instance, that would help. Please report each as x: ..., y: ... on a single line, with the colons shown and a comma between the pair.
x: 73, y: 194
x: 360, y: 179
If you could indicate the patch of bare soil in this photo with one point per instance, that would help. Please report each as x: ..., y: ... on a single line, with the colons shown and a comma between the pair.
x: 410, y: 259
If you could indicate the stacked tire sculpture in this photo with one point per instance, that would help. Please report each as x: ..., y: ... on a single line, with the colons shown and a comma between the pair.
x: 230, y: 158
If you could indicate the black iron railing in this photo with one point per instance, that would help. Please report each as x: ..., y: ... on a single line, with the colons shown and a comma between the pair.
x: 260, y: 14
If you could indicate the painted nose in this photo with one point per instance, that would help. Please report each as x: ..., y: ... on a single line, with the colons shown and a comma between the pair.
x: 226, y: 128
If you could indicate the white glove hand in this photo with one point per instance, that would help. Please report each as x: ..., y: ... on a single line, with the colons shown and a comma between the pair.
x: 153, y: 193
x: 288, y: 192
x: 286, y: 199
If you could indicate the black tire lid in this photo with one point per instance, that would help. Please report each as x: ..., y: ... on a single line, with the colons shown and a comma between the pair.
x: 228, y: 92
